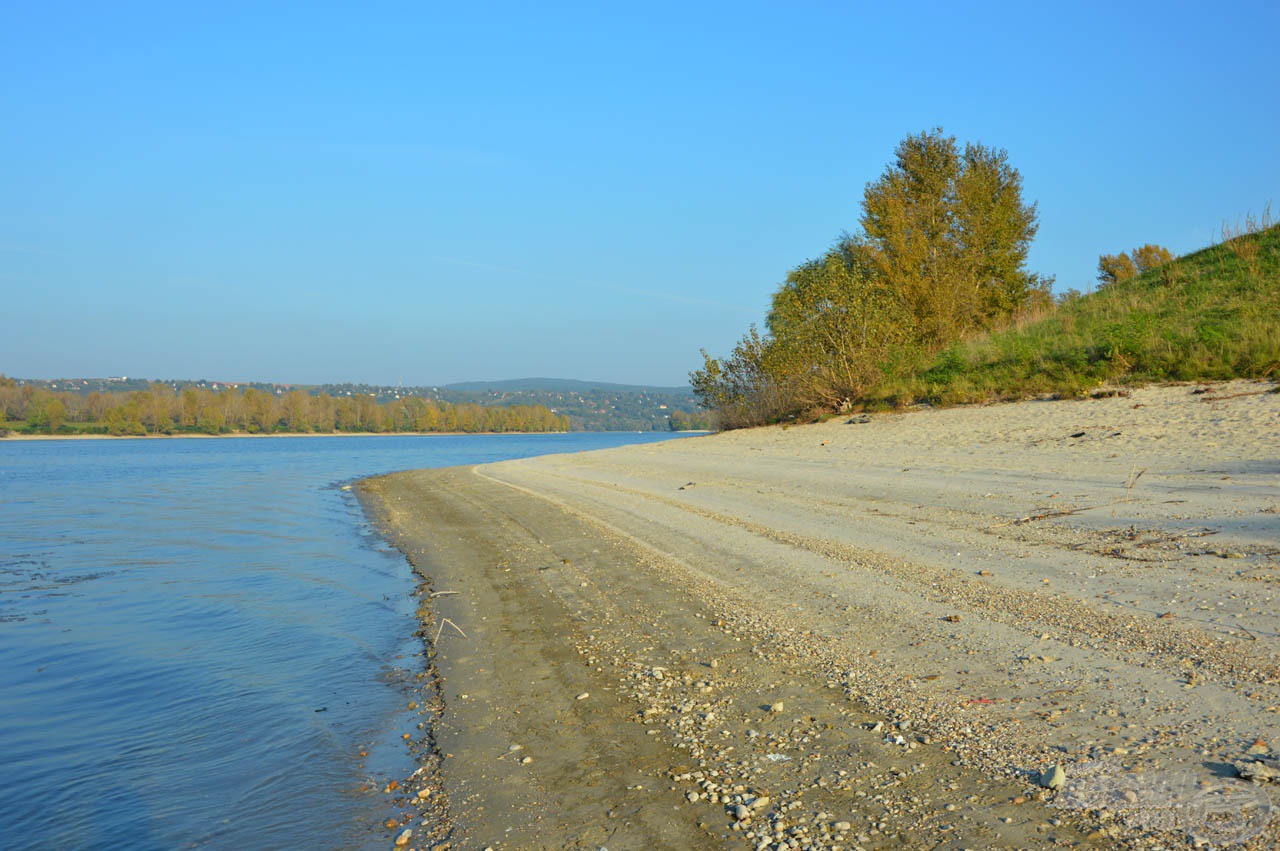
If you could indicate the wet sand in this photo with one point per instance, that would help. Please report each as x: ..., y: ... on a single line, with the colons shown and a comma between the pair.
x: 864, y: 634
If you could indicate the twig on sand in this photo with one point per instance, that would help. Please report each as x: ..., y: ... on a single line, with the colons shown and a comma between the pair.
x: 1067, y: 512
x: 1133, y: 477
x: 444, y: 621
x: 1234, y: 395
x: 1044, y: 515
x: 1118, y: 552
x: 435, y: 594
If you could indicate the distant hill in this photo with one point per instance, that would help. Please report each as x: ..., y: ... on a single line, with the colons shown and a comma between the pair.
x: 590, y: 405
x: 560, y: 385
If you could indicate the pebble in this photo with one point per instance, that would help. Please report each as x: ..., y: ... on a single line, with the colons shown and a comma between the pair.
x: 777, y: 707
x: 1258, y: 771
x: 583, y: 696
x: 526, y: 760
x: 403, y: 839
x: 1053, y: 777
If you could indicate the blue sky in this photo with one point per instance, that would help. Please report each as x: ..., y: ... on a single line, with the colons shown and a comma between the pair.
x: 429, y: 193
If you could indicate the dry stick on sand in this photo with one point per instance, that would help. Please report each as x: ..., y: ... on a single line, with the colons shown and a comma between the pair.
x: 1234, y: 395
x: 1044, y: 515
x: 1064, y: 512
x: 444, y: 621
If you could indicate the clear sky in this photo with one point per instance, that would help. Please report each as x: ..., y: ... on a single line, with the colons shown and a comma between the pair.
x: 429, y: 192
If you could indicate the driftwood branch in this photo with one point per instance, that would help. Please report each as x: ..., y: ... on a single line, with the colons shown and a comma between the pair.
x: 444, y: 621
x: 1234, y: 395
x: 1045, y: 515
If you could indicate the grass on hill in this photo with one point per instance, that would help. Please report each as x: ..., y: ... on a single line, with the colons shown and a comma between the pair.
x: 1211, y: 315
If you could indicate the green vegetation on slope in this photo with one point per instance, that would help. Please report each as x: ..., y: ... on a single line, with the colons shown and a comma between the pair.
x: 1211, y: 315
x: 930, y: 301
x: 940, y: 254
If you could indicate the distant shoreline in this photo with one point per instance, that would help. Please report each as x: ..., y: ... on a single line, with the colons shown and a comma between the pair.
x: 31, y: 437
x: 23, y: 438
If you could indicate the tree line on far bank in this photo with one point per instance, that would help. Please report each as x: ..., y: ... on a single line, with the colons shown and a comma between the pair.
x: 161, y: 410
x: 939, y: 257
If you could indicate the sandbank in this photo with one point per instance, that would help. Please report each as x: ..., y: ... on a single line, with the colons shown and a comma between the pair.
x: 886, y: 626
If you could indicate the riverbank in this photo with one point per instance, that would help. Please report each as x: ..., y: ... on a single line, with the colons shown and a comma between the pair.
x: 887, y: 626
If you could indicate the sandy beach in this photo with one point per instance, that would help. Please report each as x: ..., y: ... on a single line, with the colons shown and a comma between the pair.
x: 879, y: 631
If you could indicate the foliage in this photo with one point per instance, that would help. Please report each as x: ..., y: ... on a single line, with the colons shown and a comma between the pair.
x: 833, y: 324
x: 45, y: 413
x: 1148, y: 257
x: 744, y: 389
x: 930, y: 302
x: 589, y: 406
x: 946, y: 230
x: 941, y: 255
x: 1116, y: 268
x: 696, y: 420
x: 159, y: 410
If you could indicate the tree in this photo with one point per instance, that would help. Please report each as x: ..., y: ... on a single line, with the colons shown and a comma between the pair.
x: 96, y: 406
x: 156, y: 407
x: 1148, y: 257
x: 1117, y: 268
x: 947, y: 231
x: 46, y: 413
x: 190, y: 407
x: 295, y: 407
x: 258, y: 411
x: 833, y: 325
x: 745, y: 389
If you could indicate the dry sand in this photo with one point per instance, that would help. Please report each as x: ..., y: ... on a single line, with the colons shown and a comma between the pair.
x: 886, y: 628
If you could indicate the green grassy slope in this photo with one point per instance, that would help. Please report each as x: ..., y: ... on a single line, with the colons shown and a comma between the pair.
x: 1211, y: 315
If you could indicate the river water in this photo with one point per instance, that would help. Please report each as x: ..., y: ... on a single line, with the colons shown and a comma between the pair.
x: 199, y: 638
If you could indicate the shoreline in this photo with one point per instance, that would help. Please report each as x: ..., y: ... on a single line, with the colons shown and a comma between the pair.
x: 1000, y: 589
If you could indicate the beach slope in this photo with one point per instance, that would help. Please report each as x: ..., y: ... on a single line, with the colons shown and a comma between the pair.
x: 868, y: 632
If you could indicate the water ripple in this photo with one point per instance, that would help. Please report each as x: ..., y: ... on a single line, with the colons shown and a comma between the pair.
x: 172, y: 615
